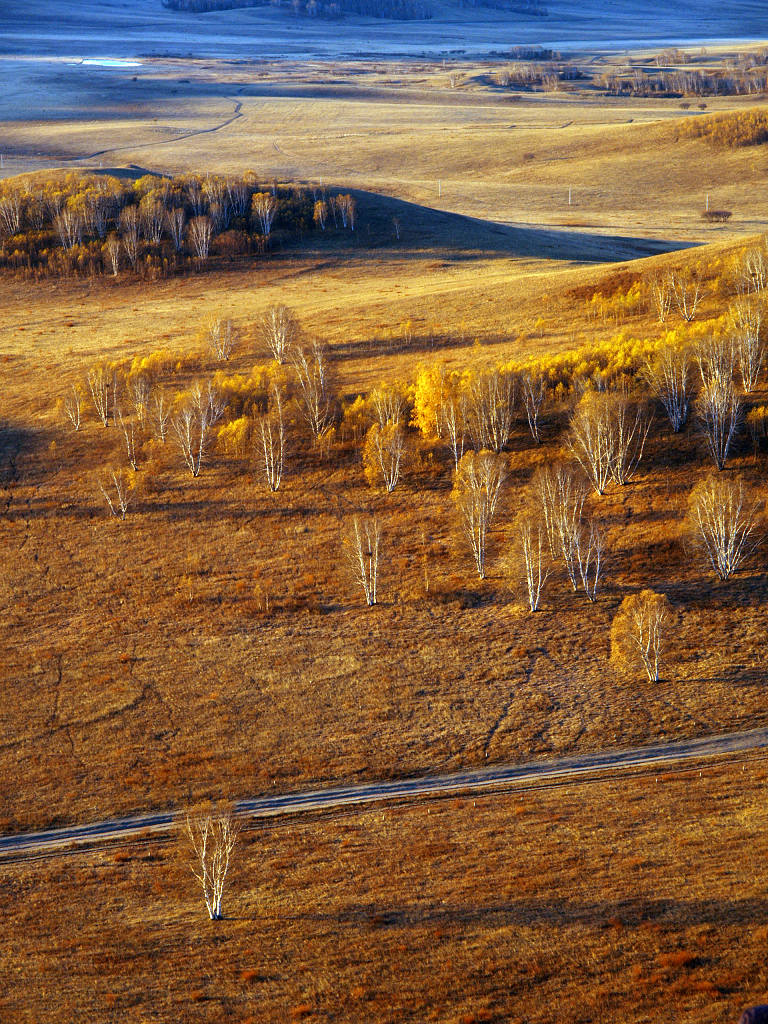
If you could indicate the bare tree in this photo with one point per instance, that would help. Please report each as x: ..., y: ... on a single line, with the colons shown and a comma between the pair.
x: 200, y: 233
x: 389, y: 404
x: 362, y: 550
x: 724, y: 523
x: 69, y: 227
x: 589, y: 550
x: 140, y: 393
x: 100, y: 377
x: 71, y: 405
x: 752, y: 274
x: 160, y: 409
x: 534, y: 388
x: 453, y: 422
x: 10, y: 212
x: 316, y: 400
x: 716, y: 359
x: 592, y: 438
x: 192, y: 424
x: 272, y: 435
x: 130, y: 233
x: 687, y: 291
x: 213, y: 838
x: 747, y: 317
x: 152, y: 213
x: 720, y: 416
x: 280, y: 331
x: 131, y: 438
x: 630, y: 426
x: 220, y: 336
x: 115, y: 486
x: 477, y: 486
x: 175, y: 221
x: 491, y: 409
x: 669, y: 377
x: 529, y: 556
x: 559, y: 491
x: 638, y: 632
x: 661, y: 296
x: 383, y: 453
x: 113, y: 246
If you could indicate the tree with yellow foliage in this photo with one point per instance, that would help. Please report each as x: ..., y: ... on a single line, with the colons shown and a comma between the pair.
x: 639, y: 631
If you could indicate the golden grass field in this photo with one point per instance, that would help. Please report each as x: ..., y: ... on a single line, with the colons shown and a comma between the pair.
x: 212, y: 645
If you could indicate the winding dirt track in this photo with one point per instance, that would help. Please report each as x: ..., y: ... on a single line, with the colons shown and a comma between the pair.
x: 605, y: 764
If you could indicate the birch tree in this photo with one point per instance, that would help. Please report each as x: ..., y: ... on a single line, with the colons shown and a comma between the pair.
x: 747, y: 319
x: 592, y: 438
x: 192, y: 424
x: 477, y: 486
x: 71, y: 406
x: 720, y: 416
x: 668, y: 375
x: 491, y: 409
x: 723, y: 521
x: 530, y: 556
x: 130, y: 234
x: 362, y: 549
x: 99, y: 378
x: 279, y: 330
x: 534, y: 389
x: 264, y: 210
x: 315, y: 393
x: 271, y: 440
x: 687, y: 291
x: 630, y: 426
x: 639, y: 632
x: 384, y: 451
x: 219, y: 336
x: 175, y: 222
x: 213, y: 839
x: 199, y: 234
x: 116, y: 488
x: 453, y: 421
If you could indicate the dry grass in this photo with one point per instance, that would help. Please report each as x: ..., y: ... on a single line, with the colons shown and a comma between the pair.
x: 213, y: 644
x: 640, y: 901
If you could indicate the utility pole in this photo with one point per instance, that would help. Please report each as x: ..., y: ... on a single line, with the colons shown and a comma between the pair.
x: 439, y: 187
x: 569, y: 195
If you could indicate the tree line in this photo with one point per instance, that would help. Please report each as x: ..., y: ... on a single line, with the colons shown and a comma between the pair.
x: 155, y: 226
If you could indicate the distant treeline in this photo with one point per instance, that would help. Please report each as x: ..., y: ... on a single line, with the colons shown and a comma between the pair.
x: 86, y: 224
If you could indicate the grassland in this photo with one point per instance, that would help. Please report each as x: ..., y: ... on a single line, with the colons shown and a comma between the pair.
x: 641, y: 900
x: 212, y: 645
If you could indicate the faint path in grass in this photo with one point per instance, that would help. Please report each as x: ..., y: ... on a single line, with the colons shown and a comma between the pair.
x: 604, y: 765
x: 167, y: 142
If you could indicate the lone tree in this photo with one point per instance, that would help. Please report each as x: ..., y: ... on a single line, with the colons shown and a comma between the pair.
x: 362, y: 547
x: 213, y: 837
x: 639, y: 632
